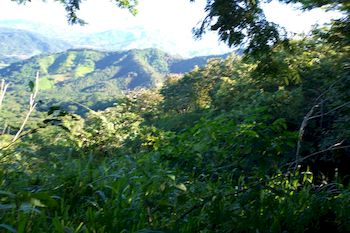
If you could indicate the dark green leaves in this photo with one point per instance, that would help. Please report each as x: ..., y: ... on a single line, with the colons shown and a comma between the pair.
x: 240, y: 23
x: 31, y: 85
x: 53, y: 109
x: 8, y: 228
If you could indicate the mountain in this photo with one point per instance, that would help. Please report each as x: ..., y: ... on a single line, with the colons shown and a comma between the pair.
x: 47, y: 30
x: 89, y: 77
x: 125, y: 38
x: 141, y: 38
x: 16, y: 44
x: 112, y: 40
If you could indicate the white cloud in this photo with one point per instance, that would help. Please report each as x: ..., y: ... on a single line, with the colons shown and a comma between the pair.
x: 295, y: 20
x: 170, y: 20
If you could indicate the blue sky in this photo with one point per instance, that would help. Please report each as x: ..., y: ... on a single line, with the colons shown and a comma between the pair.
x: 169, y: 21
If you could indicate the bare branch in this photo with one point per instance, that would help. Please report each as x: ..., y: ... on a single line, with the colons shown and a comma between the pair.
x: 302, y: 130
x: 318, y: 103
x: 32, y: 106
x: 330, y: 111
x: 3, y: 89
x: 331, y: 148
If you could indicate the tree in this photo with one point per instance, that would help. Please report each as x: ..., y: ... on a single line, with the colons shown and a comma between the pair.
x: 243, y: 23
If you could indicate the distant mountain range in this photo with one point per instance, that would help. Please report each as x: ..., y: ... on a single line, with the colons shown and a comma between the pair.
x: 114, y: 39
x: 16, y: 44
x: 86, y: 70
x: 92, y: 78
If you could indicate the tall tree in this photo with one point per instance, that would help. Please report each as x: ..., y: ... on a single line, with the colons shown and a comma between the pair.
x: 243, y: 23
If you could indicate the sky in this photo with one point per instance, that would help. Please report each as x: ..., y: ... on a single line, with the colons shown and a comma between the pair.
x: 168, y: 20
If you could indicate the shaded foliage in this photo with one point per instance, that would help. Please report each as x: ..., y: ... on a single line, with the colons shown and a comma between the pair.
x: 230, y: 146
x: 87, y: 77
x: 243, y: 145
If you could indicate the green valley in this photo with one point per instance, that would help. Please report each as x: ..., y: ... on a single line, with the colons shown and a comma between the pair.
x: 140, y: 141
x: 92, y: 78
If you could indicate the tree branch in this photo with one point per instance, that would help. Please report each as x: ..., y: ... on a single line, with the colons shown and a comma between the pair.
x: 32, y: 106
x: 3, y: 88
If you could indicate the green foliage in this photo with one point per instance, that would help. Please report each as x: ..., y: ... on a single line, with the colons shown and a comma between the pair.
x: 243, y: 23
x: 91, y: 78
x: 243, y: 145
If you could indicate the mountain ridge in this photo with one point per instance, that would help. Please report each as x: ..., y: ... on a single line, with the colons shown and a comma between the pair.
x: 114, y: 39
x: 17, y: 44
x: 92, y: 78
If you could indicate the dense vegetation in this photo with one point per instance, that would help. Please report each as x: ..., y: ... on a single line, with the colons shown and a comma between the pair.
x: 218, y: 150
x: 258, y: 143
x: 82, y: 77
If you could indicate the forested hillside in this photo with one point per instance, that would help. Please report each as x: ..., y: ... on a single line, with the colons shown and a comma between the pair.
x: 251, y: 143
x: 91, y: 78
